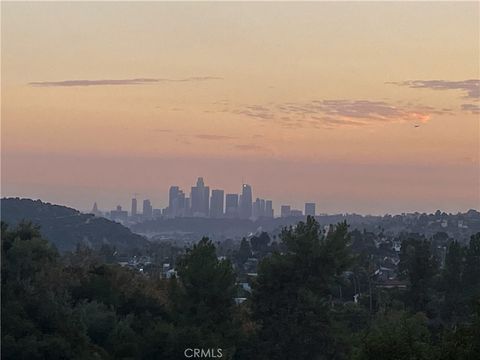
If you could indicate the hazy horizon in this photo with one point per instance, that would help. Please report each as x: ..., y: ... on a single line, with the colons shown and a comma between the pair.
x: 360, y: 107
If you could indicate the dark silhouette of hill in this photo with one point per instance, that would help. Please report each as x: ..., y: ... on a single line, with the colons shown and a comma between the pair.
x: 66, y: 227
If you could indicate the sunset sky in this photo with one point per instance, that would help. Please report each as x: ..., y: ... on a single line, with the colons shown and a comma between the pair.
x: 360, y: 107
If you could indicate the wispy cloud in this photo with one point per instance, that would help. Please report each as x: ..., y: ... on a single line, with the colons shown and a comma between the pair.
x: 472, y: 108
x: 110, y: 82
x: 336, y: 113
x: 214, y: 137
x: 255, y: 111
x: 250, y: 147
x: 470, y: 88
x: 358, y: 111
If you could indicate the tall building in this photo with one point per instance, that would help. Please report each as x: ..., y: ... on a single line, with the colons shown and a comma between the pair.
x: 147, y: 209
x: 119, y: 214
x: 95, y: 210
x: 179, y: 204
x: 268, y: 209
x: 134, y: 207
x: 231, y: 205
x: 216, y: 204
x: 200, y: 197
x: 258, y: 209
x: 176, y: 202
x: 188, y: 207
x: 310, y: 209
x: 285, y: 211
x: 296, y: 213
x: 157, y: 213
x: 246, y: 202
x: 172, y: 196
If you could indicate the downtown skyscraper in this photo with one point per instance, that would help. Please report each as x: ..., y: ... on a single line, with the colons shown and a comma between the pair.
x: 231, y: 205
x: 176, y: 202
x: 216, y: 204
x: 269, y: 209
x: 200, y: 198
x: 133, y: 211
x: 246, y: 202
x: 147, y: 209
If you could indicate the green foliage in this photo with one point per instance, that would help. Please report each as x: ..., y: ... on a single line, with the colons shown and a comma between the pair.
x: 34, y: 301
x: 290, y: 298
x: 244, y: 252
x: 452, y: 281
x: 462, y: 341
x: 80, y: 306
x: 460, y: 284
x: 419, y: 266
x: 202, y: 300
x: 260, y: 242
x: 472, y: 262
x: 84, y: 310
x: 66, y: 227
x: 397, y: 336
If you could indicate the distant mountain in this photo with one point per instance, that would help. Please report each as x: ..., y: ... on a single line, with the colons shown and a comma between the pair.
x: 66, y: 227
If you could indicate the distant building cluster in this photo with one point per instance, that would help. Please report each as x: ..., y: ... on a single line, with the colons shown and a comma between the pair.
x: 203, y: 203
x: 216, y: 204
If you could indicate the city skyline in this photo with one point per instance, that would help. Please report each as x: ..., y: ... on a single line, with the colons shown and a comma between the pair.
x: 200, y: 202
x: 359, y: 107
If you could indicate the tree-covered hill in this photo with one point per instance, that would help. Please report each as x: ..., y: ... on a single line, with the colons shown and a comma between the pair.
x: 79, y: 306
x: 66, y: 227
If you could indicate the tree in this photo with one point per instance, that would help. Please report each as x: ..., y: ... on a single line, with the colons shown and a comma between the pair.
x: 290, y: 300
x: 202, y: 301
x: 472, y: 263
x: 462, y: 341
x: 418, y: 265
x: 244, y: 252
x: 260, y: 242
x: 77, y: 309
x: 37, y: 320
x: 397, y: 336
x: 452, y: 280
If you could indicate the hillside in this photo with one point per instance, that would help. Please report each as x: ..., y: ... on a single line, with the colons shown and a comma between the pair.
x: 66, y: 227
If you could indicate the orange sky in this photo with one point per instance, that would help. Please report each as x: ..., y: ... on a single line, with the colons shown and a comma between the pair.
x: 361, y: 107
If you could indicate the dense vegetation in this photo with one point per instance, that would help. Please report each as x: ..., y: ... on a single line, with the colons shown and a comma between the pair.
x: 66, y: 227
x: 79, y: 306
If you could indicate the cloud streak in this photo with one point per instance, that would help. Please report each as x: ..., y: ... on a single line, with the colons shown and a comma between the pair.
x: 120, y: 82
x: 471, y: 108
x: 255, y: 111
x: 214, y: 137
x: 470, y: 88
x: 336, y: 113
x: 357, y: 111
x: 250, y: 147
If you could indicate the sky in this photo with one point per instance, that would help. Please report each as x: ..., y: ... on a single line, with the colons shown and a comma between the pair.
x: 368, y: 107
